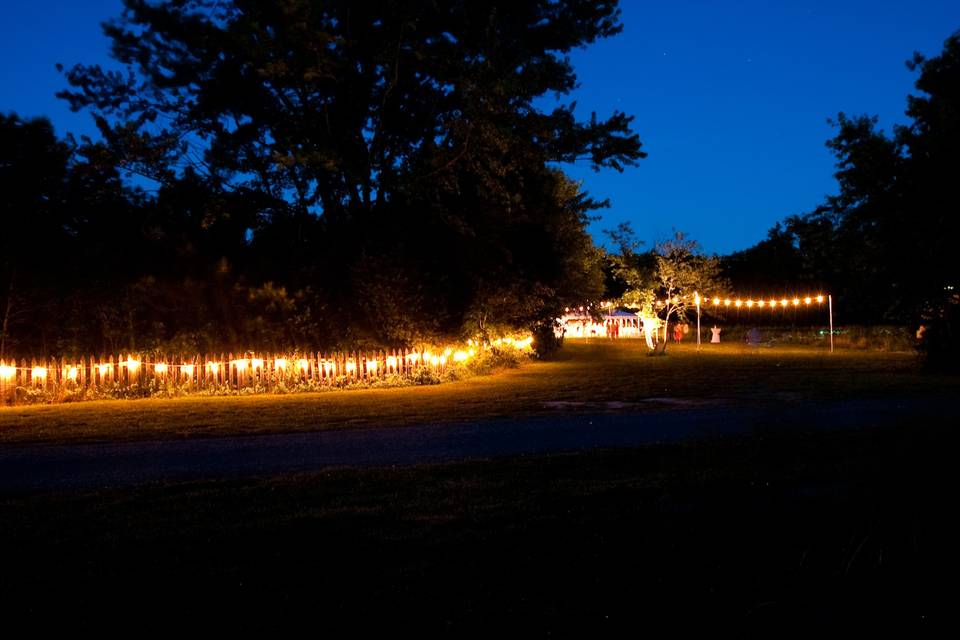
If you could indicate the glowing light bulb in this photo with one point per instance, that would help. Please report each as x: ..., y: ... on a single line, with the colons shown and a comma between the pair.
x: 7, y: 372
x: 726, y: 302
x: 371, y: 366
x: 413, y: 357
x: 351, y: 366
x: 739, y: 303
x: 819, y: 298
x: 328, y: 367
x: 783, y: 302
x: 716, y: 301
x: 796, y: 301
x: 280, y: 363
x: 104, y: 369
x: 303, y: 364
x: 760, y: 303
x: 447, y: 352
x: 240, y: 364
x: 72, y: 374
x: 187, y: 369
x: 434, y: 360
x: 257, y: 363
x: 213, y: 367
x: 132, y: 365
x: 460, y: 356
x: 39, y: 373
x: 160, y: 368
x: 391, y: 362
x: 806, y: 300
x: 749, y: 303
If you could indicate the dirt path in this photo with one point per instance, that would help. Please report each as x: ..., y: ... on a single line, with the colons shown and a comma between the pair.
x: 32, y: 468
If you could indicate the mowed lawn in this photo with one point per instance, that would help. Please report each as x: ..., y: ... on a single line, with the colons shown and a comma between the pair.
x: 597, y: 371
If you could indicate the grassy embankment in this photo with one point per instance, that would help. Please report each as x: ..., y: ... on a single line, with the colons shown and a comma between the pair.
x: 594, y: 372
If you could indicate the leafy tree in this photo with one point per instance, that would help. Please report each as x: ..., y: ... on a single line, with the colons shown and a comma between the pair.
x: 885, y: 241
x: 344, y: 137
x: 683, y: 272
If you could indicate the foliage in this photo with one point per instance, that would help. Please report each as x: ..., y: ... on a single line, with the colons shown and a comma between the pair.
x: 321, y: 174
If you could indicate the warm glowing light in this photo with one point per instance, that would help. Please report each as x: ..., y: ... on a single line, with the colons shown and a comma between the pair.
x: 372, y: 366
x: 104, y: 369
x: 523, y: 344
x: 749, y: 303
x: 696, y: 299
x: 257, y: 363
x: 819, y: 298
x: 72, y: 374
x: 7, y: 372
x: 427, y: 356
x: 460, y: 356
x: 213, y: 367
x: 760, y: 303
x: 807, y: 300
x: 739, y: 303
x: 447, y: 352
x: 187, y: 369
x: 471, y: 352
x: 413, y: 357
x: 676, y: 300
x: 443, y: 360
x: 726, y: 302
x: 303, y: 364
x: 716, y: 301
x: 391, y: 362
x: 796, y: 301
x: 132, y: 365
x: 784, y: 302
x: 240, y: 364
x: 280, y: 363
x: 351, y: 366
x: 434, y: 360
x: 328, y: 367
x: 39, y: 373
x: 160, y: 368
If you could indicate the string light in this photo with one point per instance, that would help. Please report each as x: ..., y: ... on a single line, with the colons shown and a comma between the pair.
x: 160, y: 369
x: 39, y: 373
x: 104, y: 369
x: 213, y: 367
x: 351, y: 366
x: 460, y: 356
x: 280, y: 363
x: 391, y: 362
x: 72, y: 374
x: 372, y: 366
x: 132, y: 365
x: 303, y: 364
x: 187, y: 370
x: 328, y: 367
x: 7, y: 372
x: 257, y: 363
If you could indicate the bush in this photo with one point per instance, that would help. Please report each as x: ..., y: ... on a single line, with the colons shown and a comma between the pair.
x: 546, y: 342
x: 939, y: 339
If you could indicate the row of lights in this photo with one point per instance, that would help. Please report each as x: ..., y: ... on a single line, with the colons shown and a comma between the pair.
x: 784, y: 302
x: 7, y: 372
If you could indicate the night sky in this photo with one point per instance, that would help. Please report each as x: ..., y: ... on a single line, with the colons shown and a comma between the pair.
x: 731, y: 98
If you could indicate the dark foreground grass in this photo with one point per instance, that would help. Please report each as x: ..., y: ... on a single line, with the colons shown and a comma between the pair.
x: 776, y: 532
x: 594, y: 372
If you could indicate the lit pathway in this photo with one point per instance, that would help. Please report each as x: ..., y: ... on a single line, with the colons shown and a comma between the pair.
x: 31, y: 468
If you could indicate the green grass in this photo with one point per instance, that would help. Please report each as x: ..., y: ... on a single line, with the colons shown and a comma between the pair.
x: 598, y: 371
x: 733, y: 535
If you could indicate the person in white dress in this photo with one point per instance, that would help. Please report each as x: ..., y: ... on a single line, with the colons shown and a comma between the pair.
x: 715, y: 334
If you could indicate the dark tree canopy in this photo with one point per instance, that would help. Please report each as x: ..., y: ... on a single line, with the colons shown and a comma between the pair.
x: 885, y: 243
x: 333, y: 172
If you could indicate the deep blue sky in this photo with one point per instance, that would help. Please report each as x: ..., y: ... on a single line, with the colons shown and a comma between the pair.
x: 731, y: 98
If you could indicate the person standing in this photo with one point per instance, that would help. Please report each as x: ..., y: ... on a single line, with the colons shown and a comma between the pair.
x: 715, y: 334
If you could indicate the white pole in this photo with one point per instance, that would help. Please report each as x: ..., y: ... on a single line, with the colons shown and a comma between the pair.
x: 698, y: 326
x: 830, y: 307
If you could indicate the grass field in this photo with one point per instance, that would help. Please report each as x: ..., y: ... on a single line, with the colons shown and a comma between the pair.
x: 761, y: 533
x: 598, y: 371
x: 768, y: 532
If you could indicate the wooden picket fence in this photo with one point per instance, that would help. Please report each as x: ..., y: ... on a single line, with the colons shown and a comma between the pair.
x: 224, y: 372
